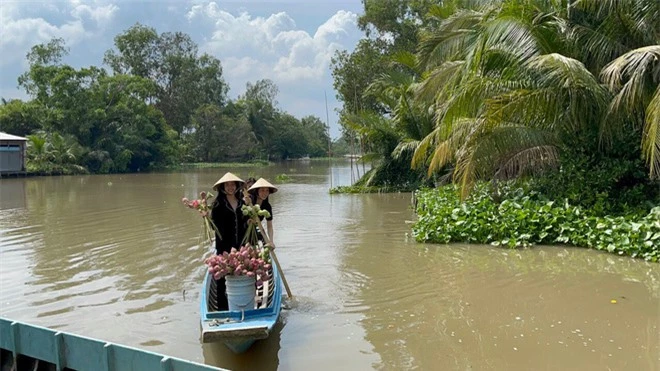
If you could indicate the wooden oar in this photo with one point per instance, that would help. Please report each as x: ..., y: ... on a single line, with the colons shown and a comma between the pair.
x: 272, y: 254
x: 264, y: 233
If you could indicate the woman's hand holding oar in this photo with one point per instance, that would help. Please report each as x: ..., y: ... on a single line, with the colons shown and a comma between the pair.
x: 256, y: 220
x: 272, y: 254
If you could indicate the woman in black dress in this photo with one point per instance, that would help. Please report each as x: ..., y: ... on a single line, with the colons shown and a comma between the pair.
x: 259, y: 192
x: 228, y: 218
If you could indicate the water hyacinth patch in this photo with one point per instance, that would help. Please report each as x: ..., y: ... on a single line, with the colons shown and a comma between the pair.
x: 246, y: 261
x: 522, y: 220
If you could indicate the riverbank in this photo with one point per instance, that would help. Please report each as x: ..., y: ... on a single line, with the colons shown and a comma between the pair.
x: 520, y: 218
x: 48, y: 169
x: 356, y: 189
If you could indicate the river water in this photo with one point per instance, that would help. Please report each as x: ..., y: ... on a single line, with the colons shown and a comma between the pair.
x: 119, y: 258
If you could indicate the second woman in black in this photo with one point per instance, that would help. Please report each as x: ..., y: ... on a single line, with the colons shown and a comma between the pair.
x: 260, y: 192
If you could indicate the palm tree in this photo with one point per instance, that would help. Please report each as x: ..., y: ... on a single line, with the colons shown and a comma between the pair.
x: 509, y: 85
x: 64, y: 149
x: 390, y: 139
x: 635, y: 79
x: 38, y: 148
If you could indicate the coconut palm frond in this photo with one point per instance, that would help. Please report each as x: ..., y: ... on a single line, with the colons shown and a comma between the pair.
x: 637, y: 20
x: 451, y: 40
x: 631, y: 77
x: 601, y: 7
x: 406, y: 146
x: 651, y: 135
x: 464, y: 19
x: 540, y: 107
x: 442, y: 155
x: 440, y: 81
x: 455, y: 143
x: 512, y: 31
x: 464, y: 175
x: 507, y: 151
x: 597, y: 46
x: 421, y: 152
x: 405, y: 58
x: 472, y: 98
x: 437, y: 48
x: 500, y: 61
x: 646, y: 15
x: 560, y: 71
x: 633, y: 66
x: 630, y: 96
x: 583, y: 98
x: 529, y: 161
x: 389, y: 87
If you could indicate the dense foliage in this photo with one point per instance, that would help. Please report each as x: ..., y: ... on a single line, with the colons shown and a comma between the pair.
x: 500, y: 89
x: 523, y: 218
x: 561, y: 95
x: 159, y: 102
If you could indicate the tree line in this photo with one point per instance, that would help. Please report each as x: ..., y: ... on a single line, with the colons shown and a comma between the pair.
x: 157, y: 102
x: 564, y: 94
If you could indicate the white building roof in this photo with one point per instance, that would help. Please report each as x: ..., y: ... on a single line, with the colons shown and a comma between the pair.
x: 5, y: 136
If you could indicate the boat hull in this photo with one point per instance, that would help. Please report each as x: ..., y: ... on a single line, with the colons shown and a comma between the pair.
x: 30, y: 347
x: 239, y: 330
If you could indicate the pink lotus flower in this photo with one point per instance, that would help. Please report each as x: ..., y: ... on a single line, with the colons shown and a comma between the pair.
x: 246, y: 261
x: 202, y: 207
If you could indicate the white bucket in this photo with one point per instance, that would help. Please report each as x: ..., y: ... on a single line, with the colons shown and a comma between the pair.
x: 241, y: 291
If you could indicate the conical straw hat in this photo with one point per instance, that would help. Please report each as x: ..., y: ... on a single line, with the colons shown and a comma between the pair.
x: 263, y: 183
x: 228, y: 177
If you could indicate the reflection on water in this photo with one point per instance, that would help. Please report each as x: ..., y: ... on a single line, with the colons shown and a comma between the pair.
x: 263, y: 355
x: 119, y: 258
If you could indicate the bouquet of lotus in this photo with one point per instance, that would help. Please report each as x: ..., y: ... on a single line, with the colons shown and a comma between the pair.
x: 242, y: 269
x: 253, y: 213
x: 204, y: 209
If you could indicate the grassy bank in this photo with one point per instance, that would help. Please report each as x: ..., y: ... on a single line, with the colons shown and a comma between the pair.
x: 369, y: 189
x: 522, y: 219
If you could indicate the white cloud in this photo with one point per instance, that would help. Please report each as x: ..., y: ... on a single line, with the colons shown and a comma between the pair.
x: 101, y: 15
x: 274, y: 47
x: 292, y: 46
x: 19, y: 33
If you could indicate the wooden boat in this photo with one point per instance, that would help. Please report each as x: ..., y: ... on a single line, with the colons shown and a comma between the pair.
x: 29, y: 347
x: 239, y: 330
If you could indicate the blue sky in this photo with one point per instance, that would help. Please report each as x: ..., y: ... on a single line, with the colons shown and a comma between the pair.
x: 290, y: 42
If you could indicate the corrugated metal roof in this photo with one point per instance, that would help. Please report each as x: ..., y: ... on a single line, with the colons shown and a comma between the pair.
x: 5, y: 136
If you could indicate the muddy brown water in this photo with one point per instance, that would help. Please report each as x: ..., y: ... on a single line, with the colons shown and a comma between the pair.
x: 119, y: 258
